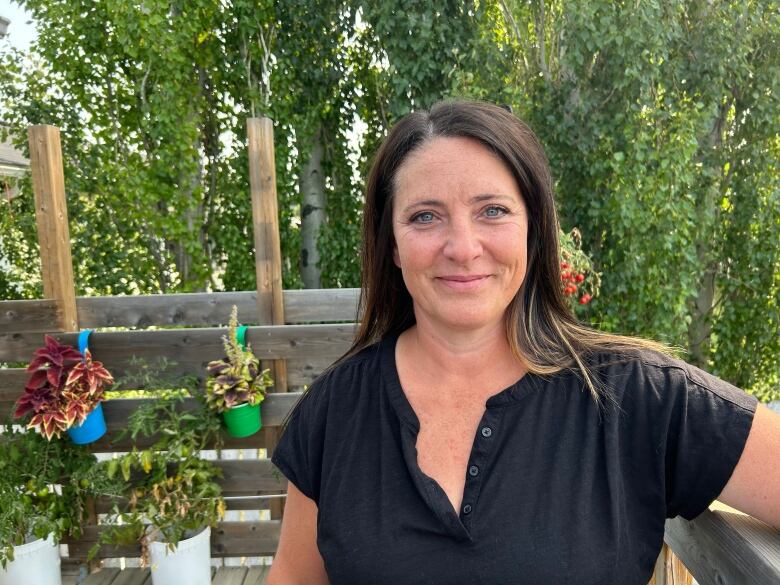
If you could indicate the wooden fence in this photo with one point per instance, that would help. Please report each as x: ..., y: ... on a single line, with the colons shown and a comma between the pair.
x: 298, y: 333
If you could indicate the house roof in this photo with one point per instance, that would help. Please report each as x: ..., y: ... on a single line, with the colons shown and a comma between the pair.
x: 11, y: 160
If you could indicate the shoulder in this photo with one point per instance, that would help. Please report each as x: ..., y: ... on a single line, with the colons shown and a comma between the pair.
x: 657, y: 376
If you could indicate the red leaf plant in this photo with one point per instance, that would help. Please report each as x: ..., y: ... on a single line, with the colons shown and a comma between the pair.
x: 65, y: 386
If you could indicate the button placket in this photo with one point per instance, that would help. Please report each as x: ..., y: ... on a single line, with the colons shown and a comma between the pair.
x: 481, y: 454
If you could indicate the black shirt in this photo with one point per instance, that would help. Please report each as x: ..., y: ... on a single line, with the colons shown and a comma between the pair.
x: 555, y: 492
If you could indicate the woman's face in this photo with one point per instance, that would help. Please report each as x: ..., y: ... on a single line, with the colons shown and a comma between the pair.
x: 460, y: 228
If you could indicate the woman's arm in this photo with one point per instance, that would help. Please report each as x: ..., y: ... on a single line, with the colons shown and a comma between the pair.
x: 297, y: 560
x: 754, y: 487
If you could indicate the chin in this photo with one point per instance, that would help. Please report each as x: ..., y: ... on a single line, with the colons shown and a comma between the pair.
x: 464, y: 321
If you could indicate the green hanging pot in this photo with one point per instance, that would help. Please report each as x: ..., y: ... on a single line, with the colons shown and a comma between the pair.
x: 242, y: 421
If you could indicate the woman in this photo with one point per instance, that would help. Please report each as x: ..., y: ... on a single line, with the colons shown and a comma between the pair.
x: 475, y: 432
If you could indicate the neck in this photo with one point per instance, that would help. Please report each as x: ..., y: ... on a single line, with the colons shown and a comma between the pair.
x: 461, y: 357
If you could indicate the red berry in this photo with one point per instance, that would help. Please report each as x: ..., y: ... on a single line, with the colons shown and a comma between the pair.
x: 579, y: 277
x: 565, y: 275
x: 564, y: 265
x: 585, y: 299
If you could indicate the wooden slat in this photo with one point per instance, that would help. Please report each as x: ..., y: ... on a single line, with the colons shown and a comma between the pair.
x: 229, y: 539
x: 12, y: 383
x: 117, y: 411
x: 181, y: 309
x: 274, y: 411
x: 257, y: 575
x: 192, y: 346
x: 102, y: 577
x: 726, y: 547
x: 111, y: 442
x: 211, y: 309
x: 249, y: 476
x: 135, y: 577
x: 241, y: 477
x: 301, y: 372
x: 229, y: 576
x: 28, y: 316
x: 166, y: 310
x: 242, y: 504
x: 321, y: 305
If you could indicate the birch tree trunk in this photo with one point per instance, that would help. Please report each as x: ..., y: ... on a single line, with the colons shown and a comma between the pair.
x: 312, y: 186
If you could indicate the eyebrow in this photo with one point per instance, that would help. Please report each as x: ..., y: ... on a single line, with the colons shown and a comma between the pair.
x: 476, y: 199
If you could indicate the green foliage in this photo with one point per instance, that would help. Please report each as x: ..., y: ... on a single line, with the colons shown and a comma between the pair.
x: 44, y: 487
x: 172, y: 491
x: 660, y: 120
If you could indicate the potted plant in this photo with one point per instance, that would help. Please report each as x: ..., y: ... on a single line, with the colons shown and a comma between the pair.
x: 236, y: 385
x: 64, y: 393
x: 174, y: 499
x: 44, y: 488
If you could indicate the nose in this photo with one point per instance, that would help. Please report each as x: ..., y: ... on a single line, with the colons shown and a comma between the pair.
x: 463, y: 242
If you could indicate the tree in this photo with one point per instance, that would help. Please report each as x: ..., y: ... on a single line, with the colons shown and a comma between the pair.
x: 660, y: 120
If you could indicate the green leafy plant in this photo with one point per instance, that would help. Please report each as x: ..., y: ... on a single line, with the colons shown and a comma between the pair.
x: 172, y: 492
x: 44, y: 488
x: 235, y: 379
x: 64, y: 387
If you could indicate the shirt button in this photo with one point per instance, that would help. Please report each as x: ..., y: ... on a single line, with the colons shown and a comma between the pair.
x: 487, y: 431
x: 473, y: 470
x: 467, y: 509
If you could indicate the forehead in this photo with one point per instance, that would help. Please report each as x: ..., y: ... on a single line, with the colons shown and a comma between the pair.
x: 453, y: 166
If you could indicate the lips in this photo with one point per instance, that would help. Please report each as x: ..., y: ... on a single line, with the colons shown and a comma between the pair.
x: 460, y: 282
x: 466, y: 278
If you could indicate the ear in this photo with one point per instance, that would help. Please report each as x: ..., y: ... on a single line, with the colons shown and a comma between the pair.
x: 396, y: 257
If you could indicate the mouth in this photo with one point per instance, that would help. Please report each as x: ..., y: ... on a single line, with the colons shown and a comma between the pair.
x: 463, y: 282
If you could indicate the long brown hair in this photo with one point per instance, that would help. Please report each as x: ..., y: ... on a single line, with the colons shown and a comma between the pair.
x: 542, y: 331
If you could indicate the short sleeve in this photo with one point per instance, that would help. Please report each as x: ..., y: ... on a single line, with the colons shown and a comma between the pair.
x: 708, y: 427
x: 298, y: 455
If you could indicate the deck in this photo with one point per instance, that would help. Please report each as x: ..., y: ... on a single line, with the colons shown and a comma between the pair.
x: 220, y: 576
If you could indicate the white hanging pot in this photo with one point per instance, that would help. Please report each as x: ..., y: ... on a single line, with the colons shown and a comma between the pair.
x: 36, y: 562
x: 190, y: 563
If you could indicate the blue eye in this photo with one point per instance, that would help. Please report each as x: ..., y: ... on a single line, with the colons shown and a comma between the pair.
x: 424, y: 217
x: 495, y: 211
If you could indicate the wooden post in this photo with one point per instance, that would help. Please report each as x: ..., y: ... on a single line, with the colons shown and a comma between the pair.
x: 51, y: 216
x: 268, y: 255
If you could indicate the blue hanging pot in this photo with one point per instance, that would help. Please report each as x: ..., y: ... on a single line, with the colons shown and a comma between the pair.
x: 89, y: 431
x: 94, y: 426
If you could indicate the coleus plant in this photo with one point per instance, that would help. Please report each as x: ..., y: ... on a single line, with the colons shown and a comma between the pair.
x: 235, y: 379
x: 65, y: 386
